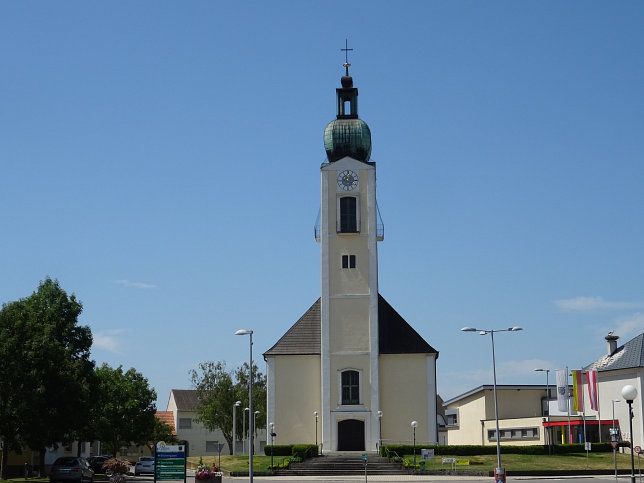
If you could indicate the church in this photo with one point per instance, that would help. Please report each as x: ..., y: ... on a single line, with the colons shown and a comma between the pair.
x: 351, y: 374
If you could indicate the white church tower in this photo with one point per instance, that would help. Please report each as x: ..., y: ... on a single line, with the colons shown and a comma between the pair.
x: 351, y: 374
x: 349, y: 274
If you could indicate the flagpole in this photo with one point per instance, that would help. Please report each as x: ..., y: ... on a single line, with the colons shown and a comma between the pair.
x: 599, y: 414
x: 568, y: 404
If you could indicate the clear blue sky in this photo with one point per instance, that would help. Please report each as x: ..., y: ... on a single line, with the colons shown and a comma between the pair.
x: 161, y: 160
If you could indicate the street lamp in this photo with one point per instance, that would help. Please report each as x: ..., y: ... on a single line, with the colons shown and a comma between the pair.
x: 235, y: 406
x: 315, y: 413
x: 272, y: 426
x: 380, y: 430
x: 499, y: 472
x: 629, y: 393
x: 547, y: 371
x: 244, y: 431
x: 613, y: 437
x: 250, y: 400
x: 254, y: 426
x: 413, y: 425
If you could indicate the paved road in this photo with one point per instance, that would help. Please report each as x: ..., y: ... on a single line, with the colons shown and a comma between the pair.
x: 432, y: 479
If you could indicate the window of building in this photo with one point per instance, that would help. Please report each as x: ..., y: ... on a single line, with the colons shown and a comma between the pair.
x: 348, y: 261
x: 348, y: 215
x: 452, y: 417
x: 185, y: 423
x: 212, y: 446
x: 514, y: 434
x: 350, y: 387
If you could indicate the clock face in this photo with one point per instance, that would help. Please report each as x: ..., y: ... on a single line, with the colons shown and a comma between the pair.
x: 348, y: 180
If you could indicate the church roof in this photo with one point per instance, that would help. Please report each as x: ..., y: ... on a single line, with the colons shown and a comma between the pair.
x: 303, y: 338
x: 395, y: 335
x: 628, y: 356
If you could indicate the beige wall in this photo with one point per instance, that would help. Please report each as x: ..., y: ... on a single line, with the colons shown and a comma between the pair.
x: 341, y: 363
x: 518, y: 409
x: 350, y: 318
x: 297, y: 396
x: 404, y: 398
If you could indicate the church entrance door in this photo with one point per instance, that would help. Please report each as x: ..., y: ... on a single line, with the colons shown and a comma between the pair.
x: 351, y: 435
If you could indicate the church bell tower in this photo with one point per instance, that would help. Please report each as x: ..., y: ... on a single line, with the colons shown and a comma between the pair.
x: 348, y: 233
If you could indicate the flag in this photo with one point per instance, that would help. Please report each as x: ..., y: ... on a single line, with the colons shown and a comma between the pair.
x: 562, y: 390
x: 592, y: 389
x: 577, y: 391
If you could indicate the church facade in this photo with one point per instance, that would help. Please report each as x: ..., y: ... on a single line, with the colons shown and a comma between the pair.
x: 351, y: 373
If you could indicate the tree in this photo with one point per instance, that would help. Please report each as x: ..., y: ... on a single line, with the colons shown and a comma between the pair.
x: 123, y: 409
x: 217, y: 392
x: 161, y: 432
x: 46, y: 370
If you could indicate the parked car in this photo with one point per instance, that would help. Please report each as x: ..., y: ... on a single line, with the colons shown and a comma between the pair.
x: 144, y: 465
x: 71, y: 468
x: 96, y: 463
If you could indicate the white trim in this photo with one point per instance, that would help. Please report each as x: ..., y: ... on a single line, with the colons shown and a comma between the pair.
x: 325, y: 359
x: 270, y: 389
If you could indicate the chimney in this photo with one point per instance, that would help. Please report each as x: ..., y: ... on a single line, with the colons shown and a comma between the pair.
x: 612, y: 342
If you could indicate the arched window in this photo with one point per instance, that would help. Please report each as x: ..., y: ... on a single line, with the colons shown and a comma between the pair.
x: 350, y: 387
x: 348, y: 215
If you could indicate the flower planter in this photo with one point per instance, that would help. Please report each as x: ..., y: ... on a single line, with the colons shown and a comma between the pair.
x: 214, y: 477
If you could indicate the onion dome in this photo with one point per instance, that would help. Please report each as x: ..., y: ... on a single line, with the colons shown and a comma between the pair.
x: 347, y: 135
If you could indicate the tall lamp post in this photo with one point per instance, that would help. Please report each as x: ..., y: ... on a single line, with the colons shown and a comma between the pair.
x: 250, y: 401
x: 547, y: 371
x: 235, y: 406
x: 413, y: 425
x: 379, y: 431
x: 613, y: 436
x: 629, y: 393
x: 499, y: 472
x: 315, y: 413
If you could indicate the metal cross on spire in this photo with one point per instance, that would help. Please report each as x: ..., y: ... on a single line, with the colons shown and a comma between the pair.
x: 346, y: 55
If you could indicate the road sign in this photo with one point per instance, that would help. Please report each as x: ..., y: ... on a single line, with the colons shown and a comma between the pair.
x: 637, y: 450
x: 614, y: 444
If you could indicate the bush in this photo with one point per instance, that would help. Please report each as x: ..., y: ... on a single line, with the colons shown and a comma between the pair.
x: 399, y: 450
x: 116, y: 467
x: 301, y: 451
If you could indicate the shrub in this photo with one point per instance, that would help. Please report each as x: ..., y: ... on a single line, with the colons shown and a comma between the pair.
x: 116, y: 467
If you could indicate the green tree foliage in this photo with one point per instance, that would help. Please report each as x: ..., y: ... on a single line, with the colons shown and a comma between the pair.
x: 45, y: 370
x: 217, y: 392
x: 123, y: 409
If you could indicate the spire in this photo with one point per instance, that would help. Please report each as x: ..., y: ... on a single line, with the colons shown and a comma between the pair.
x: 347, y: 135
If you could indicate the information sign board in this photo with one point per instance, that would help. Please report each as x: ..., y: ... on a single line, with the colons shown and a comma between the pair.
x: 170, y: 462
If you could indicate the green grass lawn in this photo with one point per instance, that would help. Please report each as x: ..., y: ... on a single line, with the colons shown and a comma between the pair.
x: 516, y: 462
x: 261, y: 463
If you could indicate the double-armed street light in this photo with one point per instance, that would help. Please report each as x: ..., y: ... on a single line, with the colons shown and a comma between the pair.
x: 250, y: 401
x: 499, y: 473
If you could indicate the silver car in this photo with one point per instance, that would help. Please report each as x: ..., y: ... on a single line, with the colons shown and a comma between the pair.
x: 71, y: 468
x: 144, y: 465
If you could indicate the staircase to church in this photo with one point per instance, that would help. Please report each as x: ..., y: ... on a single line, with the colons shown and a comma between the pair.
x: 349, y: 463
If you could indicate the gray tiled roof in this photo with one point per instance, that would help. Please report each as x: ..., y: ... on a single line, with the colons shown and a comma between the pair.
x: 186, y: 399
x: 303, y: 338
x: 628, y: 356
x: 395, y: 335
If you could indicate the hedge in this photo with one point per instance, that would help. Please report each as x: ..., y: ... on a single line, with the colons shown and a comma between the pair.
x: 301, y: 450
x: 473, y: 450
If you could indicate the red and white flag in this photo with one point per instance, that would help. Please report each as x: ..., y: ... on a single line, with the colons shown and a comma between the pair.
x: 592, y: 389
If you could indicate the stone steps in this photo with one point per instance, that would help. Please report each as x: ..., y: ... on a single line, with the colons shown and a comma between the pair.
x: 343, y: 464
